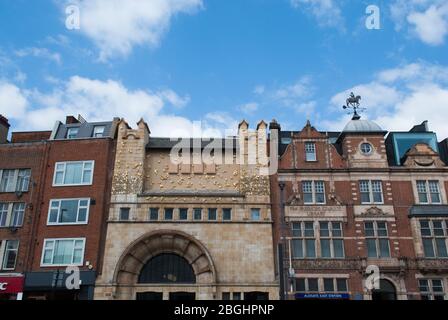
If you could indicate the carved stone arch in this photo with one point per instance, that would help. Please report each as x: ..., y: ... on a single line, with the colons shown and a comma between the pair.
x: 154, y: 243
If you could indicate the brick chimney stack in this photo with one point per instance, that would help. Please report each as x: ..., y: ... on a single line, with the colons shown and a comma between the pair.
x: 4, y: 129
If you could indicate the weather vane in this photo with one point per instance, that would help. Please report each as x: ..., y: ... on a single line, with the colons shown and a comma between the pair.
x: 353, y: 103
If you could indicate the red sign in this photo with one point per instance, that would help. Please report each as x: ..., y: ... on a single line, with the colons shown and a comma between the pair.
x: 11, y: 284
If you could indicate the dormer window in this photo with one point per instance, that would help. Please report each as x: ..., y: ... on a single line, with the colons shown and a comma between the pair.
x: 72, y: 133
x: 98, y: 131
x: 310, y: 151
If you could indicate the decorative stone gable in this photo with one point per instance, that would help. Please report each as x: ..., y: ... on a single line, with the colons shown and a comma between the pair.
x: 422, y: 155
x: 130, y: 159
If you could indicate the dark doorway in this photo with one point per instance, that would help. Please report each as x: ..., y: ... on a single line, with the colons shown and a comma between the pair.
x: 167, y: 268
x: 182, y: 296
x: 149, y: 296
x: 386, y: 291
x: 252, y: 296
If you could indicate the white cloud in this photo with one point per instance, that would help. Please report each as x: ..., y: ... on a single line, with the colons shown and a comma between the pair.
x: 402, y: 97
x: 13, y: 101
x: 327, y: 12
x: 427, y: 19
x: 117, y: 26
x: 260, y: 89
x: 99, y: 100
x: 39, y: 53
x: 249, y: 108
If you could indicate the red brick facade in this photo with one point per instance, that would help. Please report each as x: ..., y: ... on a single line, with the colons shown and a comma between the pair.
x: 341, y: 172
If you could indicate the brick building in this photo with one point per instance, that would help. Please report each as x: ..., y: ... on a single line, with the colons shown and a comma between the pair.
x: 346, y: 203
x: 73, y: 203
x: 22, y: 161
x: 193, y: 224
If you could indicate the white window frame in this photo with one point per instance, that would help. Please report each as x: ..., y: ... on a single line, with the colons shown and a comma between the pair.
x: 431, y: 293
x: 15, y: 180
x: 72, y: 129
x: 54, y: 240
x: 428, y: 191
x: 84, y: 162
x: 376, y: 237
x: 95, y: 131
x: 371, y: 197
x: 433, y: 237
x: 9, y: 215
x: 310, y: 151
x: 331, y: 238
x: 50, y: 207
x: 314, y: 193
x: 3, y: 251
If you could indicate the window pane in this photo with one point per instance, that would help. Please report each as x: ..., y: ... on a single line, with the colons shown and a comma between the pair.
x: 212, y: 214
x: 3, y: 214
x: 82, y: 215
x: 428, y: 248
x: 183, y: 214
x: 365, y: 197
x: 309, y: 229
x: 310, y: 248
x: 424, y: 228
x: 169, y: 214
x: 382, y: 229
x: 310, y: 151
x: 63, y: 252
x: 124, y: 214
x: 324, y: 229
x: 7, y: 182
x: 300, y: 285
x: 154, y: 214
x: 297, y: 248
x: 342, y: 285
x: 255, y: 214
x: 11, y: 249
x: 325, y: 248
x: 371, y: 248
x: 313, y: 285
x: 69, y: 210
x: 73, y: 173
x: 59, y: 177
x: 227, y: 214
x: 320, y: 191
x: 441, y: 248
x: 296, y: 229
x: 336, y: 229
x: 197, y: 214
x: 23, y: 180
x: 437, y: 285
x: 438, y: 228
x: 423, y: 285
x: 370, y: 232
x: 338, y: 247
x: 18, y: 211
x: 329, y: 285
x: 384, y: 248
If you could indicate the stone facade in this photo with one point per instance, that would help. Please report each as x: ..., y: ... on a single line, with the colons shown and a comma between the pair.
x: 227, y: 255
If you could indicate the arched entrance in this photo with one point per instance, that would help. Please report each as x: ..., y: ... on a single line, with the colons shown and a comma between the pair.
x: 387, y: 291
x: 169, y: 261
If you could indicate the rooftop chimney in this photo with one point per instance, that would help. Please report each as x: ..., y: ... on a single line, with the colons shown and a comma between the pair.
x: 71, y: 120
x: 4, y: 128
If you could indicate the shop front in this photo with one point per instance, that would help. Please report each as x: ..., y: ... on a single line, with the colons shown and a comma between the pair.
x: 11, y: 287
x: 53, y: 286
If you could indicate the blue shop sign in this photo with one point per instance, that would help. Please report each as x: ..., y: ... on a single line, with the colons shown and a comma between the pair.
x: 322, y: 296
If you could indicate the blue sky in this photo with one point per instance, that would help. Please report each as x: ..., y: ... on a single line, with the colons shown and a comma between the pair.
x: 179, y: 62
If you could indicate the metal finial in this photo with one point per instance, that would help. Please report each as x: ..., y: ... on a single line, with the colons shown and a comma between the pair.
x: 353, y: 103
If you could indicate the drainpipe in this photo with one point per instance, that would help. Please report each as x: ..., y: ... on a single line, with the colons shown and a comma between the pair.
x: 282, y: 244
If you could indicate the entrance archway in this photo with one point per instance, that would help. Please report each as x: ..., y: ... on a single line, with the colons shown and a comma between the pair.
x: 163, y: 258
x: 387, y: 291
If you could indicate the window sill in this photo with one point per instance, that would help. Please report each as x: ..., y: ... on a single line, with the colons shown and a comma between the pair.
x: 67, y: 224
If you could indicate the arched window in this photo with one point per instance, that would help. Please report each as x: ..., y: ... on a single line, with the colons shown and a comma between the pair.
x: 167, y: 268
